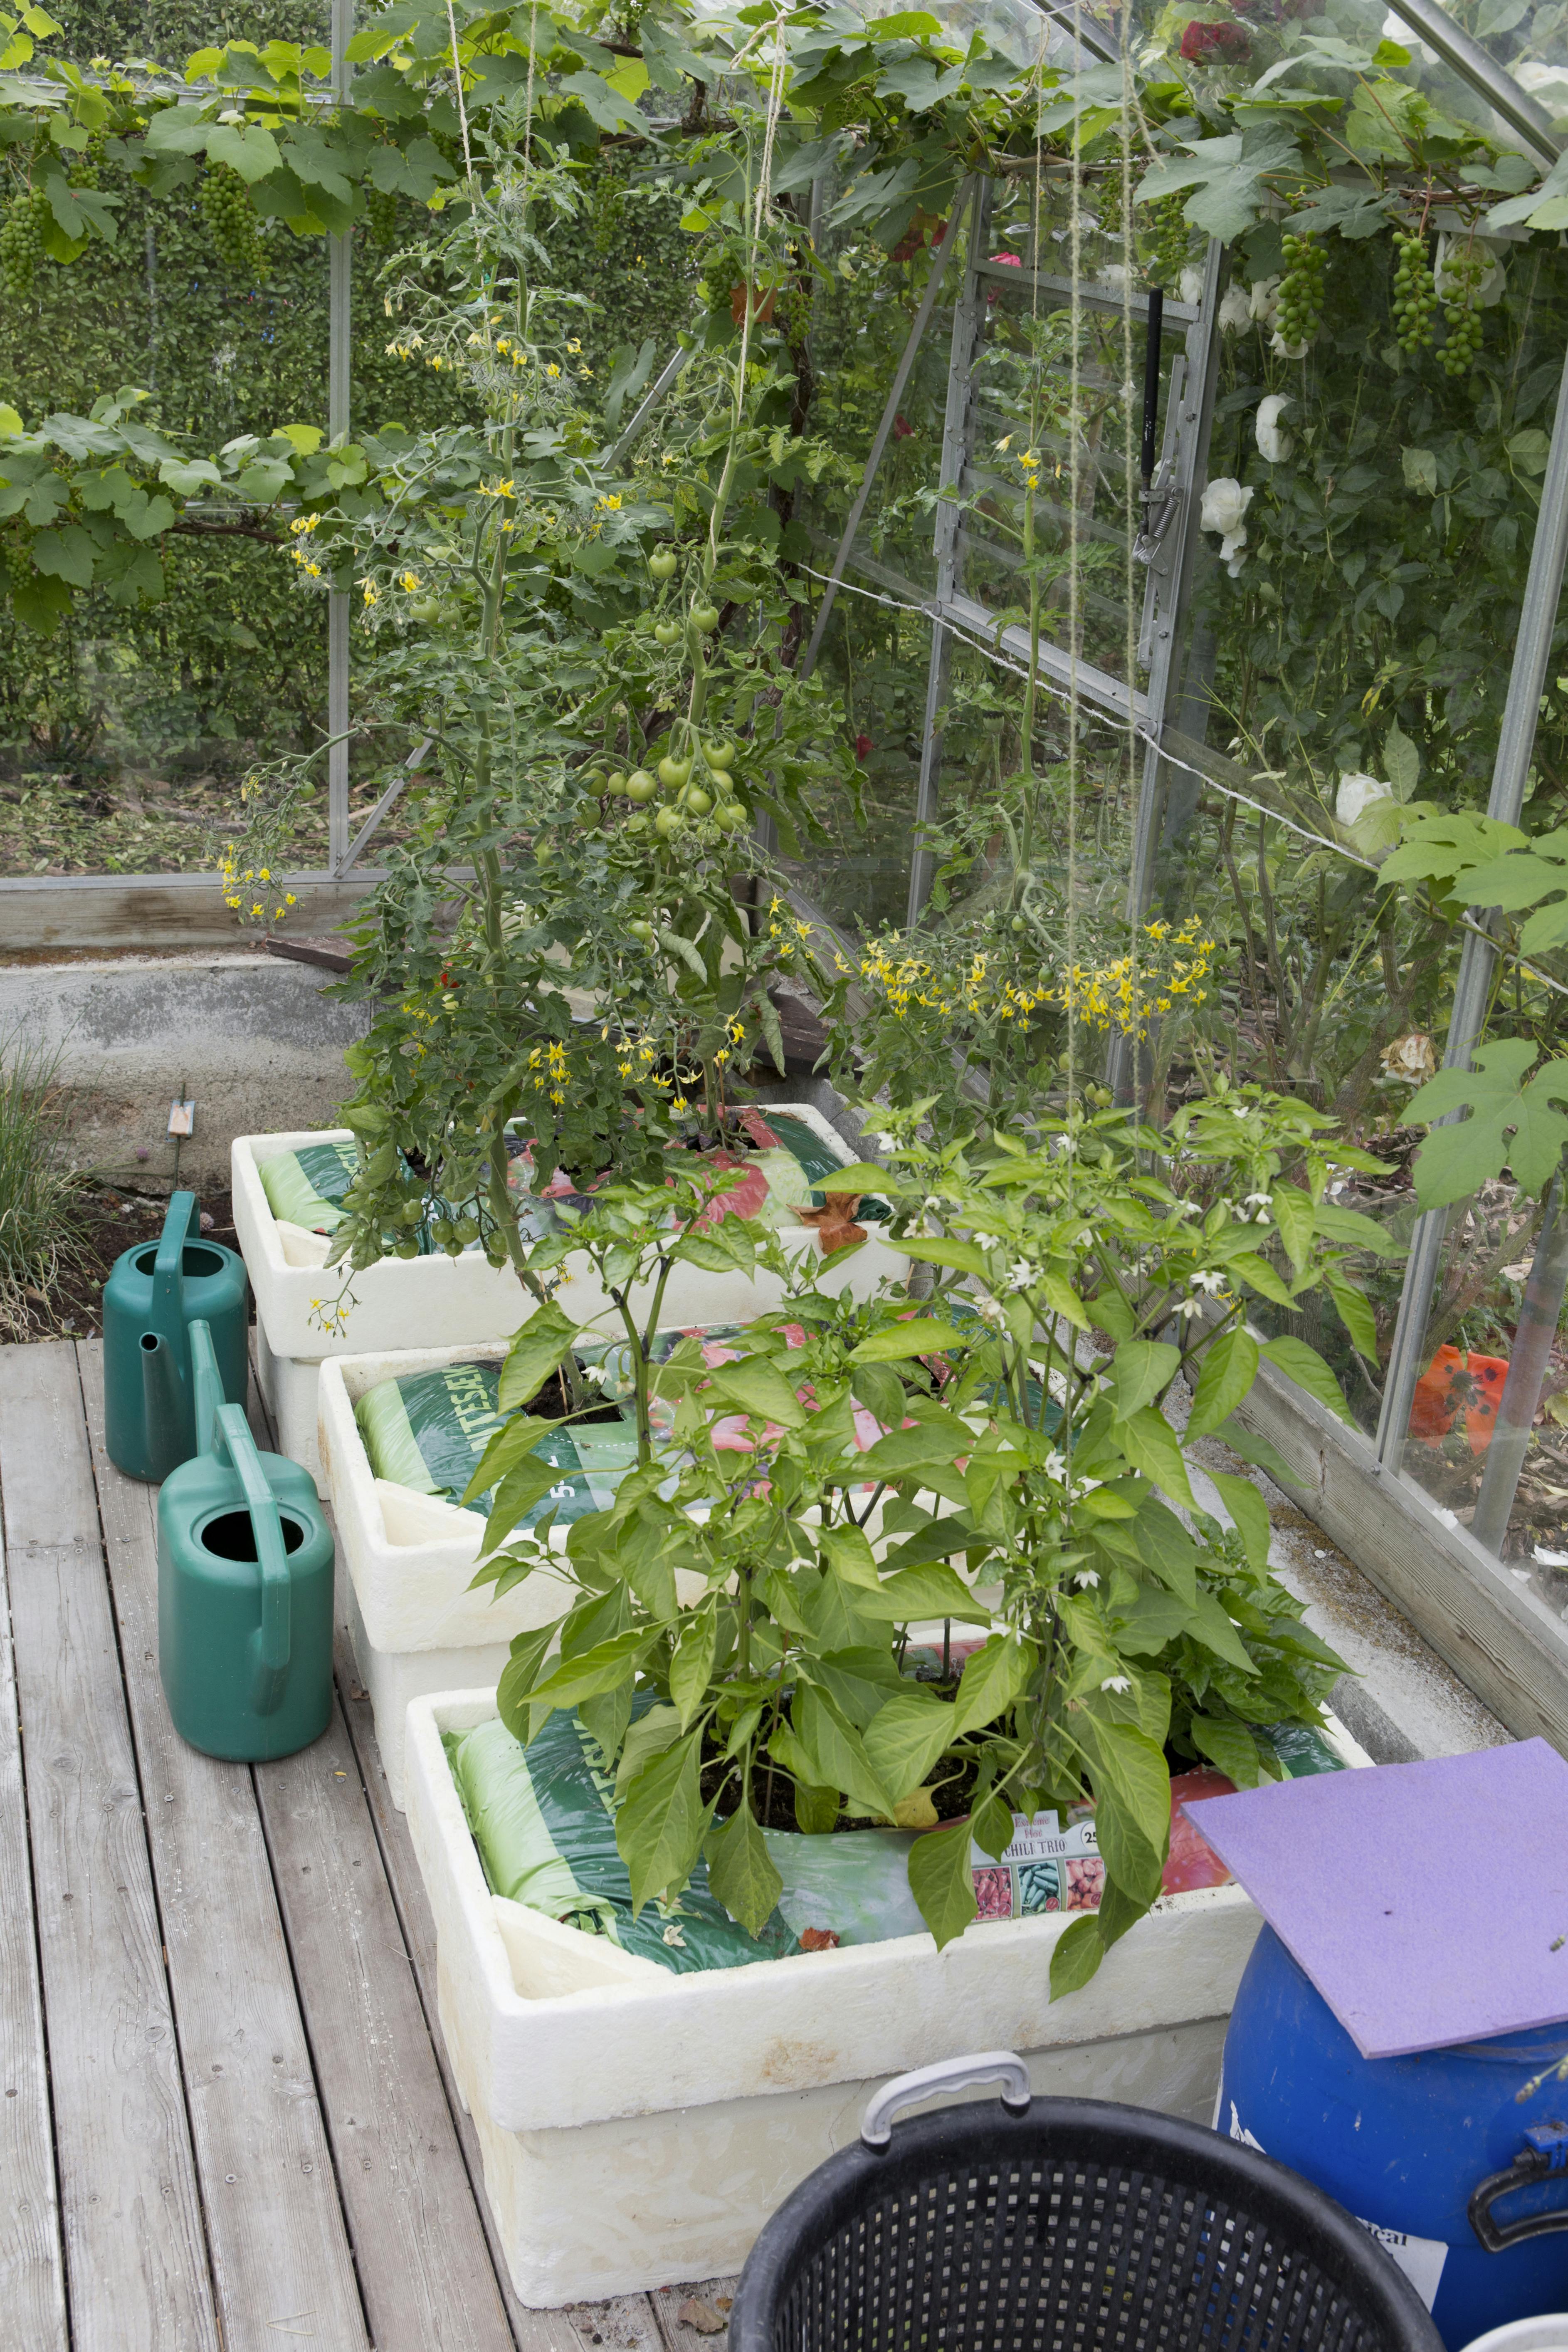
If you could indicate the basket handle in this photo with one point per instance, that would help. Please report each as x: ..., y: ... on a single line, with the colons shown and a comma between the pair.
x: 947, y: 2075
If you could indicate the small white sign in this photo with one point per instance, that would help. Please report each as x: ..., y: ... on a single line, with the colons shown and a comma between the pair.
x: 1421, y: 2259
x: 1042, y: 1838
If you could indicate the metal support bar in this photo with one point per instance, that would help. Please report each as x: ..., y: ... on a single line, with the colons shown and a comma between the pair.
x: 646, y: 406
x: 1477, y: 67
x: 968, y: 326
x: 1472, y: 991
x: 964, y: 198
x: 340, y: 367
x: 388, y: 801
x: 1528, y: 1360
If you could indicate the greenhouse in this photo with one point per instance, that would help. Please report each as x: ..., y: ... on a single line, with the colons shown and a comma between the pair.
x: 783, y: 1109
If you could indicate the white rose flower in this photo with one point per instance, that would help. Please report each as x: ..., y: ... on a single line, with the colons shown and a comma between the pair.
x: 1284, y: 350
x: 1273, y: 442
x: 1190, y: 289
x: 1225, y: 502
x: 1235, y: 311
x: 1357, y: 793
x: 1264, y: 303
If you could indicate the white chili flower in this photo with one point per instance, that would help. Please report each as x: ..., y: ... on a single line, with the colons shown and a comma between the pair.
x: 986, y: 1241
x: 1209, y: 1282
x: 1091, y: 1576
x: 1056, y: 1464
x: 1357, y: 793
x: 1189, y: 1307
x: 1273, y: 442
x: 1235, y: 311
x: 1022, y: 1274
x: 1117, y: 1683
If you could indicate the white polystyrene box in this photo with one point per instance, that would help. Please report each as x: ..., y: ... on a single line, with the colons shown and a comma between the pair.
x: 638, y: 2127
x: 441, y: 1301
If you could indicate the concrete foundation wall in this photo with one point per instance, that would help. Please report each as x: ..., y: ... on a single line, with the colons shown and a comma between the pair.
x: 254, y: 1040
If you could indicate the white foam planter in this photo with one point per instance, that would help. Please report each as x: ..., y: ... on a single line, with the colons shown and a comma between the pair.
x: 439, y: 1301
x: 410, y: 1558
x: 639, y: 2127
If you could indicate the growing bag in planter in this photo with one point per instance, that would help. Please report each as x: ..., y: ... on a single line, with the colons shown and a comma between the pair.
x: 544, y: 1822
x: 427, y: 1430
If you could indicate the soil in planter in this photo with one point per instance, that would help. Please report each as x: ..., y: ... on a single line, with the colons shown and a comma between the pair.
x: 773, y: 1793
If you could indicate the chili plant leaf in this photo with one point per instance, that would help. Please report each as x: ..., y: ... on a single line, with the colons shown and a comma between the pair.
x: 1229, y: 1747
x: 934, y: 1591
x: 1230, y: 1369
x: 1307, y: 1368
x: 661, y: 1821
x: 905, y: 1737
x: 922, y: 1336
x: 993, y: 1678
x: 543, y: 1343
x: 741, y: 1870
x: 1078, y: 1954
x: 942, y: 1882
x: 1152, y: 1446
x: 1140, y: 1371
x: 759, y: 1390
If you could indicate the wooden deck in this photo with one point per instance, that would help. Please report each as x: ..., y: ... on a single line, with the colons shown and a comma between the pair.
x: 227, y: 2122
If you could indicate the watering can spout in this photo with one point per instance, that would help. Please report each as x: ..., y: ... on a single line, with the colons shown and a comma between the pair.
x: 165, y: 1410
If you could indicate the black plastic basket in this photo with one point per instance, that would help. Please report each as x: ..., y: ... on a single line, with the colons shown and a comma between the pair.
x: 1062, y: 2225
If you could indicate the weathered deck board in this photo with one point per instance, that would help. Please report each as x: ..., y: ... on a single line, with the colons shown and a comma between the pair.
x: 280, y: 2255
x: 32, y: 2268
x: 136, y: 2254
x: 534, y: 2331
x: 680, y: 2334
x: 425, y: 2268
x: 234, y: 2123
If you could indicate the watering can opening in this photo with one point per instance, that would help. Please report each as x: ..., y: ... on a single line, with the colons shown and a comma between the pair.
x: 231, y: 1535
x: 198, y: 1262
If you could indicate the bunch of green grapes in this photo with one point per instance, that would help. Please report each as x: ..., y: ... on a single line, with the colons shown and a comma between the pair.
x: 1415, y: 294
x: 27, y: 215
x: 380, y: 213
x: 1461, y: 283
x: 1300, y: 301
x: 1171, y: 239
x: 232, y: 221
x: 1108, y: 205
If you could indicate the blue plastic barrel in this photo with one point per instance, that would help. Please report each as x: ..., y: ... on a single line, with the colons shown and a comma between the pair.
x: 1465, y: 2184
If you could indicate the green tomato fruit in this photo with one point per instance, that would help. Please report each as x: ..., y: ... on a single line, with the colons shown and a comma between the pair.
x: 639, y: 785
x: 668, y: 633
x: 406, y: 1249
x: 705, y: 619
x: 732, y: 816
x: 426, y: 608
x: 615, y: 784
x: 673, y: 773
x: 663, y: 565
x: 720, y: 755
x: 696, y: 800
x: 643, y: 932
x: 468, y: 1229
x: 668, y: 821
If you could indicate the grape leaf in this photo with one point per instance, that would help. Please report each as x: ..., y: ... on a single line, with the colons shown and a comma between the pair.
x: 1512, y: 1123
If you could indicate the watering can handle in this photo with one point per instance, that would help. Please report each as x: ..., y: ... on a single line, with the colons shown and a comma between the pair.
x: 271, y: 1642
x: 209, y: 1386
x: 182, y: 1216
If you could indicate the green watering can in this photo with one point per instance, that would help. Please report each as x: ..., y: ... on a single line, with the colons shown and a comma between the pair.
x: 244, y: 1587
x: 151, y: 1298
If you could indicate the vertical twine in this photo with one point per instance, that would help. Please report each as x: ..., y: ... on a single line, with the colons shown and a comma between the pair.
x: 1074, y: 471
x: 1131, y: 433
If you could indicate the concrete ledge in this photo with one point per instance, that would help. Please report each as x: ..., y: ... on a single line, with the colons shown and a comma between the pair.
x: 256, y: 1040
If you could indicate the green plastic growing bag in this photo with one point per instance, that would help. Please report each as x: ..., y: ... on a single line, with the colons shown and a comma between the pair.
x: 544, y: 1822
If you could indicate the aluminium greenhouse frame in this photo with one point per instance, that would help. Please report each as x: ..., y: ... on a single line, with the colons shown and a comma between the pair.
x: 1494, y: 1626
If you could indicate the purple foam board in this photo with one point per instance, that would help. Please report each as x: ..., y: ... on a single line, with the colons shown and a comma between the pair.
x: 1423, y: 1900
